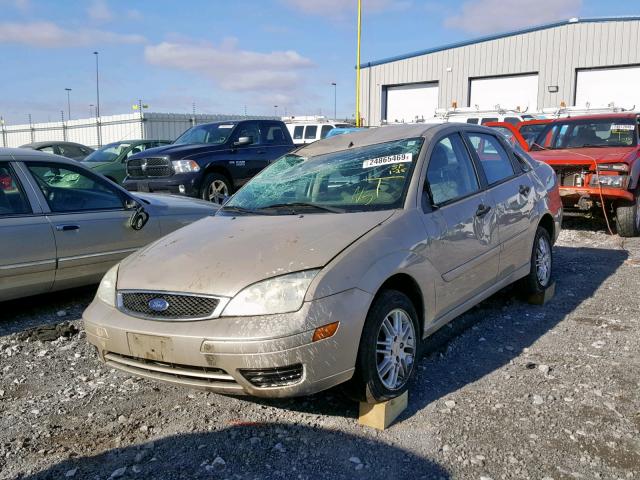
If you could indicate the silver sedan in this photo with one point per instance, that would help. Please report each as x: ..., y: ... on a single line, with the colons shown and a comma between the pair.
x: 333, y: 264
x: 63, y: 226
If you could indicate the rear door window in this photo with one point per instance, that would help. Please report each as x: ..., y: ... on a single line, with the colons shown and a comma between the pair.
x: 325, y: 130
x: 273, y: 134
x: 298, y: 132
x: 489, y: 119
x: 310, y: 132
x: 494, y: 159
x: 473, y: 121
x: 13, y: 201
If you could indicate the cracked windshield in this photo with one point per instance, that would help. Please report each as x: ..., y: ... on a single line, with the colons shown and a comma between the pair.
x: 374, y: 177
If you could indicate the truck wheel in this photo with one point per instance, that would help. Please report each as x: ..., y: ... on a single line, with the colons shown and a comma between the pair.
x: 388, y: 349
x: 215, y: 188
x: 628, y: 218
x: 541, y: 272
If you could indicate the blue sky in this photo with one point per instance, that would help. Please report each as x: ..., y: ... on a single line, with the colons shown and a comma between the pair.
x: 225, y: 55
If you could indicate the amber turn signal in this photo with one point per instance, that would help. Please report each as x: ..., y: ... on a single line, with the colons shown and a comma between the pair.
x: 325, y: 331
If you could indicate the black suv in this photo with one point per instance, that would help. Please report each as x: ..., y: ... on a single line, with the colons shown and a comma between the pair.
x: 209, y: 161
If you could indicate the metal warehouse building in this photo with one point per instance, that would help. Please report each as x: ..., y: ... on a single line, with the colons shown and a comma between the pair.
x: 578, y: 61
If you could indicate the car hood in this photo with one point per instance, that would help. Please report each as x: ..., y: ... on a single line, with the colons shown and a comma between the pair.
x: 221, y: 255
x: 179, y: 151
x: 164, y: 204
x: 581, y: 156
x: 93, y: 165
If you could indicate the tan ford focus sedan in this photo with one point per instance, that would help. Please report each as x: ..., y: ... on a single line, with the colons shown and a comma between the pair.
x: 333, y: 264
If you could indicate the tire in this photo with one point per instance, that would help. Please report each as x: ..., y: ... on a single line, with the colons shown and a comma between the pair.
x: 628, y: 217
x: 215, y: 188
x: 390, y: 308
x: 541, y: 273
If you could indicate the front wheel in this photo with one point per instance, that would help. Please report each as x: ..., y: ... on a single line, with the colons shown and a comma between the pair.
x: 215, y: 188
x: 388, y: 349
x: 540, y: 275
x: 628, y: 218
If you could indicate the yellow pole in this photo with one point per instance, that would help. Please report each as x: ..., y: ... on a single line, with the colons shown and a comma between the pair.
x: 358, y: 65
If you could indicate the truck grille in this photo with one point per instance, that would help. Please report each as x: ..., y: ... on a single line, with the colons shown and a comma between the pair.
x: 178, y: 307
x: 149, y: 167
x: 569, y: 176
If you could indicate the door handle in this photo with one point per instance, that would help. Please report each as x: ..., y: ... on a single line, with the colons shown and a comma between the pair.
x: 524, y: 190
x: 67, y: 228
x: 482, y: 210
x: 261, y: 151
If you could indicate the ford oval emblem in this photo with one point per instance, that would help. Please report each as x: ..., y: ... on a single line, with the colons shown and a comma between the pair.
x: 158, y: 304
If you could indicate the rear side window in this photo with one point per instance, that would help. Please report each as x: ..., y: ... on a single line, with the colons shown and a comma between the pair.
x: 512, y: 120
x: 450, y: 174
x: 494, y: 159
x: 489, y: 119
x: 325, y: 129
x: 310, y: 132
x: 274, y: 134
x: 297, y: 132
x: 474, y: 121
x: 13, y: 201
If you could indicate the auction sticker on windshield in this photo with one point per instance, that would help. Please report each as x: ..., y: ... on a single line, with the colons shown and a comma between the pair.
x: 388, y: 160
x: 622, y: 127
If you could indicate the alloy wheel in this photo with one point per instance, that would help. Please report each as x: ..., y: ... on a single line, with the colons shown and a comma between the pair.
x: 543, y: 261
x: 395, y: 350
x: 217, y: 191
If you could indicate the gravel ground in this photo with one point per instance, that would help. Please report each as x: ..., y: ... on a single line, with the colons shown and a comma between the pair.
x: 508, y: 391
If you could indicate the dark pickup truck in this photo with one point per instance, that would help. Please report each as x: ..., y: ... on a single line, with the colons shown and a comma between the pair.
x: 209, y: 161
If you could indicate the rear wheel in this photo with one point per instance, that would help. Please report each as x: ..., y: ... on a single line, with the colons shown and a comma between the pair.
x: 628, y: 217
x: 541, y: 272
x: 388, y: 350
x: 215, y: 188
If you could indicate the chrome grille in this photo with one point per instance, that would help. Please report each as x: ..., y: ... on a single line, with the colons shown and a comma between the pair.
x: 149, y: 167
x: 185, y: 307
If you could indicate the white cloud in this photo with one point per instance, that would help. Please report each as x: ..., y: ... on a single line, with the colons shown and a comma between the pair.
x: 233, y: 69
x: 493, y: 16
x: 99, y: 11
x: 50, y: 35
x: 344, y: 8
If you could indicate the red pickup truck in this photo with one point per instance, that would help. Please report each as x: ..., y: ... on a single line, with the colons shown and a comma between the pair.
x: 597, y: 160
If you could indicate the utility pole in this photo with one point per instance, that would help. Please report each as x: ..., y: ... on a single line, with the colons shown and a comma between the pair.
x: 4, y: 132
x: 335, y: 96
x: 358, y: 64
x: 98, y: 102
x: 140, y: 106
x: 68, y: 103
x: 31, y: 129
x: 64, y: 128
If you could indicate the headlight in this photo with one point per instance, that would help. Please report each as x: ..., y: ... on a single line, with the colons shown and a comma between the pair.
x: 620, y: 167
x: 107, y: 289
x: 185, y: 166
x: 275, y: 295
x: 613, y: 181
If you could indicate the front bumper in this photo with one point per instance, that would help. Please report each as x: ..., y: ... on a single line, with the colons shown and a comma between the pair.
x: 181, y: 184
x: 211, y: 354
x: 571, y: 195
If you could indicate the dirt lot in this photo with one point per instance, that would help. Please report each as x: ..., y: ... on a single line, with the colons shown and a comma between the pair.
x: 509, y: 391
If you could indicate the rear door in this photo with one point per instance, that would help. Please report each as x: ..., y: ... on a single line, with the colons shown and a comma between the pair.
x: 27, y: 246
x: 465, y: 249
x: 511, y: 190
x: 247, y: 160
x: 275, y: 140
x: 89, y: 219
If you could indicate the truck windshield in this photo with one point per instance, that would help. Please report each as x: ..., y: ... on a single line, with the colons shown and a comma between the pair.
x: 213, y: 133
x: 609, y: 132
x: 374, y: 177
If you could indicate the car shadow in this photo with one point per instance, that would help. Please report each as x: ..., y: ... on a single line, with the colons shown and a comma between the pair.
x: 263, y: 451
x: 46, y: 309
x: 487, y: 337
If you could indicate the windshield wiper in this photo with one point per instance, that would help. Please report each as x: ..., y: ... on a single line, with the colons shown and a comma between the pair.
x: 592, y: 145
x: 233, y: 208
x: 292, y: 206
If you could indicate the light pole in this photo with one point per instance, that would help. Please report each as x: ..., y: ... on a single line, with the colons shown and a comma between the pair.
x: 140, y: 106
x: 335, y: 96
x: 91, y: 105
x: 98, y: 102
x: 68, y: 103
x: 275, y: 110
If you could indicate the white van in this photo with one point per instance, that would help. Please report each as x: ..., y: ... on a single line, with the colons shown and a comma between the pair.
x: 480, y: 117
x: 308, y: 132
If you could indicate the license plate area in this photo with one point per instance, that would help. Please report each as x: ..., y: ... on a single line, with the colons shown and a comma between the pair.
x: 150, y: 347
x: 143, y: 187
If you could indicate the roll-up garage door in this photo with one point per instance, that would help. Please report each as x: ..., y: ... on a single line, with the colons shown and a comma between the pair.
x: 405, y: 103
x: 601, y: 87
x: 509, y: 92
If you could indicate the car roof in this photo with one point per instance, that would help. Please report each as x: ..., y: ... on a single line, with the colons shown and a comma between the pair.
x: 54, y: 142
x: 372, y: 136
x: 24, y: 155
x: 596, y: 116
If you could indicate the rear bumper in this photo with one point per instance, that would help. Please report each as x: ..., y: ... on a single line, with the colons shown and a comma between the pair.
x: 214, y: 354
x: 182, y: 184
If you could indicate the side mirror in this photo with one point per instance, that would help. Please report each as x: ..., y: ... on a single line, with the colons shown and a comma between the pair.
x: 139, y: 218
x: 243, y: 141
x: 130, y: 204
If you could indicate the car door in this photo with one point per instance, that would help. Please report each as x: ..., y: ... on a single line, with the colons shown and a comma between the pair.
x: 511, y: 190
x: 275, y: 139
x: 460, y: 221
x: 27, y: 246
x: 89, y: 219
x: 247, y: 159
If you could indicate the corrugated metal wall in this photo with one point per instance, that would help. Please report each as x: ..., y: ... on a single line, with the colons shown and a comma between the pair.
x: 554, y: 53
x: 113, y: 128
